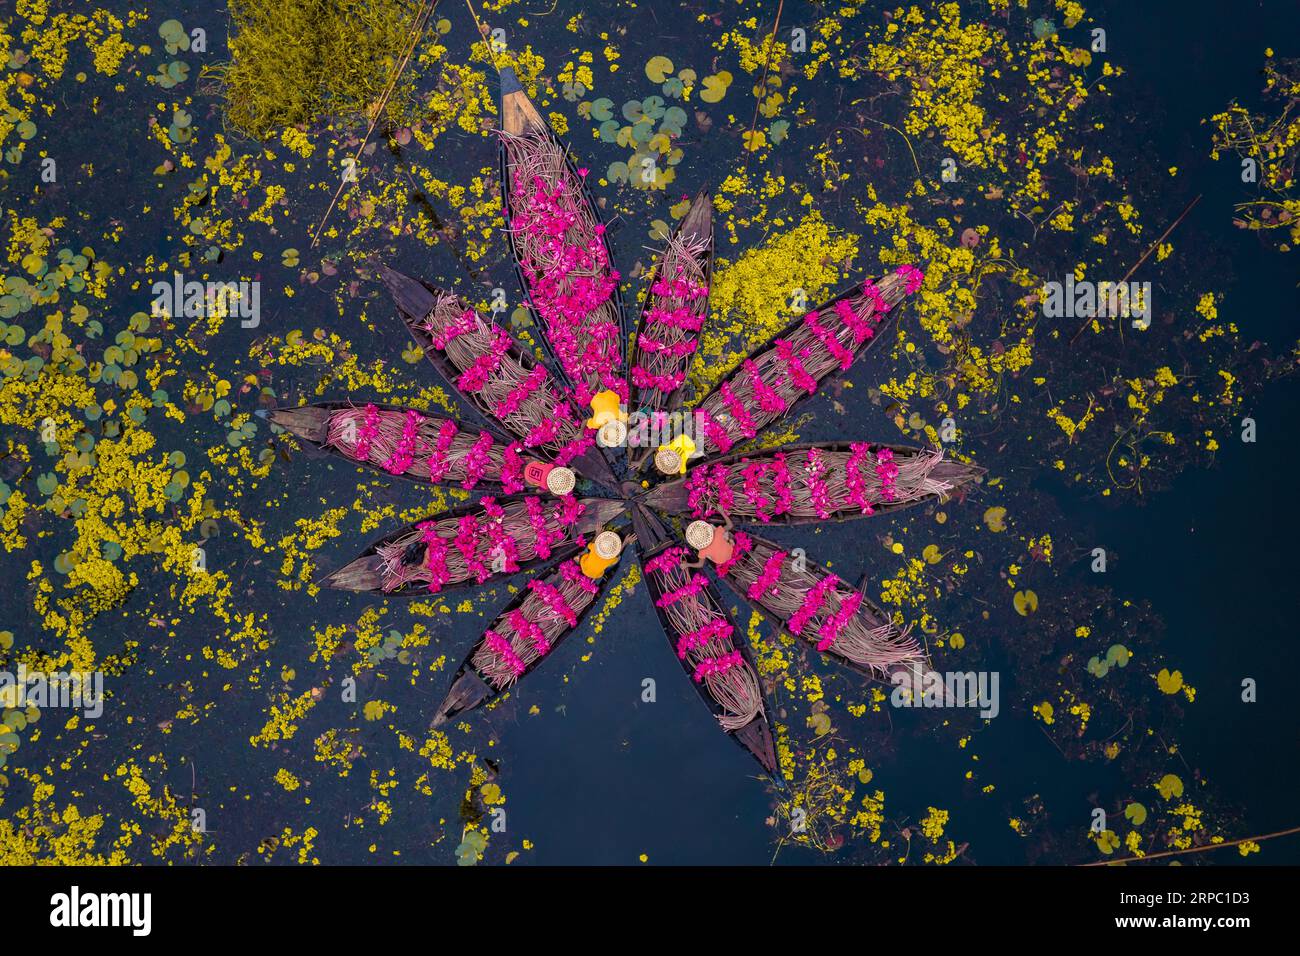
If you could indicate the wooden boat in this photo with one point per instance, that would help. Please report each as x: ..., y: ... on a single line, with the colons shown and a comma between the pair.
x: 695, y: 230
x: 674, y: 496
x: 519, y: 117
x: 370, y: 571
x: 471, y: 688
x: 872, y: 616
x: 311, y: 423
x: 755, y: 737
x: 416, y: 301
x: 731, y: 415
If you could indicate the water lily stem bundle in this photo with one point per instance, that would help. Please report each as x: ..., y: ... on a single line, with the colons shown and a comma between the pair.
x: 560, y: 248
x: 407, y: 443
x: 825, y: 483
x: 472, y: 547
x: 519, y: 638
x: 676, y: 309
x: 704, y: 641
x: 517, y: 392
x: 815, y: 605
x: 767, y: 385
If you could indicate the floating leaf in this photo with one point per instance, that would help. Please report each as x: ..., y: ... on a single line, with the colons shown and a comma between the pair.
x: 779, y: 131
x: 659, y: 230
x: 1136, y: 814
x: 602, y: 109
x: 1170, y: 683
x: 995, y: 518
x: 714, y: 89
x: 1026, y: 603
x: 658, y: 68
x: 1170, y: 786
x: 931, y: 554
x: 1107, y: 841
x: 674, y: 120
x: 1118, y: 655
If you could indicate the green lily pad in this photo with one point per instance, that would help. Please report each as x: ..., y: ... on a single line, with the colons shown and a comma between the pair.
x: 609, y: 131
x: 653, y: 107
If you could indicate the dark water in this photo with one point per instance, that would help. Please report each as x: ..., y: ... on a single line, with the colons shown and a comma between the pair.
x: 600, y: 777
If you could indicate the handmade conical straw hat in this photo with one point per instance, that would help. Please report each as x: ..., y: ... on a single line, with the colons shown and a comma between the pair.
x: 608, y: 544
x: 612, y: 434
x: 668, y: 461
x: 560, y: 480
x: 699, y: 534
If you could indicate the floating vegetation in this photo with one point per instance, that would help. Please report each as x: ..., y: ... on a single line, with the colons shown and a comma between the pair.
x: 1268, y: 146
x: 299, y: 62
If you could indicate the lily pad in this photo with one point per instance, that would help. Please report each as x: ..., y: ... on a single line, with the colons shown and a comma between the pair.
x: 658, y: 68
x: 1170, y: 683
x: 1170, y: 786
x: 995, y: 518
x: 1118, y: 655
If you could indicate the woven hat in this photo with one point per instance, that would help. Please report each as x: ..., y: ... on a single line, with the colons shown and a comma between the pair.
x: 699, y: 534
x: 612, y: 434
x: 560, y: 480
x: 668, y: 461
x: 608, y: 544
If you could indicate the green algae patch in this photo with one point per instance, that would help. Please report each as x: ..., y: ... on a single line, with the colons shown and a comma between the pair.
x: 296, y: 61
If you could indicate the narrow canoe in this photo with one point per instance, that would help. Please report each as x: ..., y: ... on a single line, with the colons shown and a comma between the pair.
x: 654, y: 541
x: 373, y: 572
x: 675, y: 497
